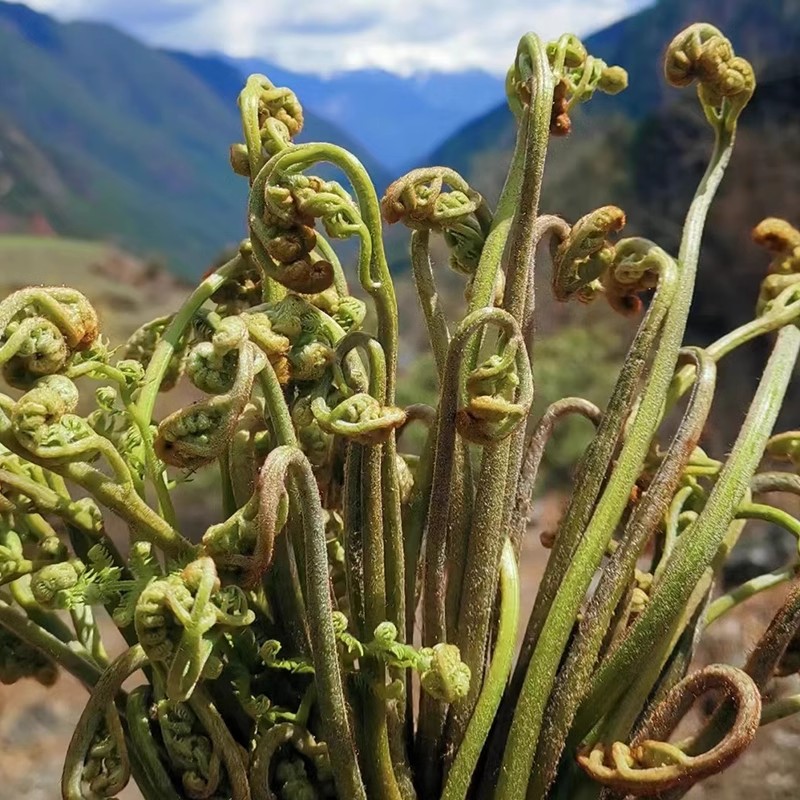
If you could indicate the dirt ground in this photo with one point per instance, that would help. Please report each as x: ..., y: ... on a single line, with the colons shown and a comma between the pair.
x: 36, y: 723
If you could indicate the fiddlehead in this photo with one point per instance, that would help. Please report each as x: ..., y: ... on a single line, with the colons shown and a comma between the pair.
x: 725, y: 82
x: 345, y: 310
x: 274, y: 345
x: 44, y: 425
x: 283, y: 209
x: 309, y: 332
x: 578, y: 76
x: 189, y: 749
x: 32, y: 348
x: 107, y: 768
x: 360, y: 417
x: 141, y: 346
x: 70, y: 584
x: 671, y: 336
x: 41, y: 330
x: 780, y: 287
x: 194, y: 436
x: 442, y: 673
x: 636, y: 267
x: 97, y: 753
x: 650, y: 766
x: 585, y: 253
x: 56, y: 308
x: 303, y: 742
x: 179, y: 618
x: 315, y: 440
x: 46, y: 404
x: 499, y: 395
x: 419, y: 201
x: 447, y: 678
x: 782, y: 240
x: 212, y: 366
x: 343, y: 218
x: 292, y: 197
x: 271, y: 117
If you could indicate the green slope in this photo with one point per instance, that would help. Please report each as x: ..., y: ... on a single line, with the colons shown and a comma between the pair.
x: 124, y: 290
x: 133, y: 142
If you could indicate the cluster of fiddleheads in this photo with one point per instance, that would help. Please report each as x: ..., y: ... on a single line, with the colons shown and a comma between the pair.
x: 280, y: 648
x: 42, y: 329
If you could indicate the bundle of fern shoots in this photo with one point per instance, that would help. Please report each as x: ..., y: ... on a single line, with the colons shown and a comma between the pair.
x: 347, y: 627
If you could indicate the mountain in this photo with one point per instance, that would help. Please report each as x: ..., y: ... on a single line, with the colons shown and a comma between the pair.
x: 398, y: 119
x: 102, y: 137
x: 763, y: 32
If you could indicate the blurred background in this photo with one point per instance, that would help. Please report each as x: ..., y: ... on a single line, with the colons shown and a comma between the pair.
x: 115, y: 122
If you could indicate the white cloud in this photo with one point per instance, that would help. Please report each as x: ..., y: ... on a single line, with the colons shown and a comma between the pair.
x: 402, y: 36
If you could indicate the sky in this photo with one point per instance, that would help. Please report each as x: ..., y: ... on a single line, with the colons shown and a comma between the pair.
x: 327, y: 36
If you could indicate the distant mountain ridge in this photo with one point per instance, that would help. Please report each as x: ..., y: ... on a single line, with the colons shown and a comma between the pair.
x: 130, y: 144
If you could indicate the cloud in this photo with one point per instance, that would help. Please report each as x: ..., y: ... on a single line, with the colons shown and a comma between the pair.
x: 402, y: 36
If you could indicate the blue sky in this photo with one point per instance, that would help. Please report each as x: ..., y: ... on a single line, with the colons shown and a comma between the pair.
x: 324, y: 36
